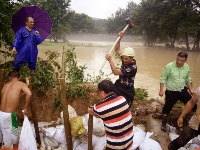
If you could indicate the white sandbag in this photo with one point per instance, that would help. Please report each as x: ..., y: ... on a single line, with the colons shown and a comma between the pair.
x: 141, y: 126
x: 42, y: 146
x: 50, y: 132
x: 84, y: 138
x: 138, y: 137
x: 98, y: 142
x: 82, y: 146
x: 43, y: 124
x: 1, y: 136
x: 196, y: 140
x: 182, y: 148
x: 173, y: 136
x: 76, y: 142
x: 59, y: 135
x: 85, y: 119
x: 171, y: 129
x: 194, y: 146
x: 149, y: 144
x: 61, y: 147
x: 98, y: 125
x: 50, y: 141
x: 71, y: 111
x: 27, y: 139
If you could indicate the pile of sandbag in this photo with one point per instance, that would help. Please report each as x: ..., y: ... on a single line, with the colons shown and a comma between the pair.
x: 193, y: 144
x: 53, y: 134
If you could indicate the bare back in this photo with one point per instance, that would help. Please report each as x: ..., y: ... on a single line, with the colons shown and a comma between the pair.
x: 11, y: 94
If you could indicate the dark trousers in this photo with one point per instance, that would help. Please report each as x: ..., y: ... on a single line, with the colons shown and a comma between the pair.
x: 171, y: 97
x: 186, y: 135
x: 127, y: 92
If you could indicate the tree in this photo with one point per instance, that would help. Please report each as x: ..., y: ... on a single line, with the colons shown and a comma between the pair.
x: 7, y: 9
x: 82, y: 23
x: 146, y: 20
x: 116, y: 22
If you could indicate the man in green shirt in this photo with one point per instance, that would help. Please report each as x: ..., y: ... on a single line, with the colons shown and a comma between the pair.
x: 176, y: 78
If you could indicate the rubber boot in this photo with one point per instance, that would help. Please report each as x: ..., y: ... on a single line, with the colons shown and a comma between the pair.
x: 164, y: 123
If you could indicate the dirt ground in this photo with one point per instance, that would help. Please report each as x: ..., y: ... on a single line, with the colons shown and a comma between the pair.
x: 146, y: 113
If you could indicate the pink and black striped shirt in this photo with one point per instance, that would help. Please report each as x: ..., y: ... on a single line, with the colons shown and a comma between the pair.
x: 114, y: 111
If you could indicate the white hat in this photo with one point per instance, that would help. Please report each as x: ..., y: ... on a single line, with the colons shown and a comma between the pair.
x: 128, y: 52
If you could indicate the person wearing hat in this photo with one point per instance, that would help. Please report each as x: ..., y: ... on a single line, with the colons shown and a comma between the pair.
x: 124, y: 86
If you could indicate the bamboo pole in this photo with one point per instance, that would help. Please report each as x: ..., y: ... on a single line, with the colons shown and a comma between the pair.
x: 90, y: 130
x: 2, y: 78
x: 63, y: 63
x: 65, y: 113
x: 90, y: 127
x: 33, y: 112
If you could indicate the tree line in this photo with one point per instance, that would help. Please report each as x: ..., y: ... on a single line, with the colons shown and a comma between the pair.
x: 157, y: 21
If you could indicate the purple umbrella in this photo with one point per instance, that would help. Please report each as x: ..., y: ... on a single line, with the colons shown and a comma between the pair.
x: 41, y: 18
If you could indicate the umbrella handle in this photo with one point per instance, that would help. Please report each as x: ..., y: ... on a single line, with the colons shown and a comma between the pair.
x: 113, y: 47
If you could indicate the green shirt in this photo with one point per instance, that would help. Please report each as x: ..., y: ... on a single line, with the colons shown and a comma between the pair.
x: 174, y: 77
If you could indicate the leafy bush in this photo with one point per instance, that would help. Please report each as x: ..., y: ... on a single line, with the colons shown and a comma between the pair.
x: 141, y: 94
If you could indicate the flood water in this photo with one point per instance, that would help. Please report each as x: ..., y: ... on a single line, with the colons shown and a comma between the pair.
x: 91, y: 51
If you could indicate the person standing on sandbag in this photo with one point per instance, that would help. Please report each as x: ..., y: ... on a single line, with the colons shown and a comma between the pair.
x: 10, y: 97
x: 124, y: 86
x: 176, y: 76
x: 117, y: 118
x: 193, y: 129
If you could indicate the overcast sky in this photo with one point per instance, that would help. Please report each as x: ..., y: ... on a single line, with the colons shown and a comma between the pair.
x: 99, y: 8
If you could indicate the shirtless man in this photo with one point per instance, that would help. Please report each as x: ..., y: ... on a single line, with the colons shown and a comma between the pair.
x: 10, y: 96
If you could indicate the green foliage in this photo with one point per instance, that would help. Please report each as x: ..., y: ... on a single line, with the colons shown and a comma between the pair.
x: 141, y: 94
x: 82, y: 23
x: 43, y: 77
x: 7, y: 9
x: 74, y: 73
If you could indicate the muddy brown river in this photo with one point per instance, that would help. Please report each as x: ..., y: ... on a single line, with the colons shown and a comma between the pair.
x: 91, y: 50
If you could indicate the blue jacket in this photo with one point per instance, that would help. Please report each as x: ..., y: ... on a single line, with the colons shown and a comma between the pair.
x: 26, y: 45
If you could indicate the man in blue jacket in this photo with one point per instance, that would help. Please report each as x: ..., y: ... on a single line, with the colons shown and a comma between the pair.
x: 25, y: 45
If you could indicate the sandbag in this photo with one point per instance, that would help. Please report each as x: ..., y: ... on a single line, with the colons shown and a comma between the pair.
x: 27, y: 139
x: 82, y: 146
x: 196, y: 140
x: 138, y: 137
x: 1, y: 136
x: 50, y: 141
x: 149, y: 144
x: 76, y: 142
x: 182, y: 148
x: 98, y: 142
x: 98, y: 125
x: 194, y: 146
x: 71, y: 111
x: 77, y: 127
x: 60, y: 134
x: 50, y: 132
x: 173, y: 136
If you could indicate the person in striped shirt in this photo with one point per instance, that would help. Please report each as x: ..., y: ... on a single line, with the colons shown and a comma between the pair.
x: 117, y: 118
x: 176, y: 77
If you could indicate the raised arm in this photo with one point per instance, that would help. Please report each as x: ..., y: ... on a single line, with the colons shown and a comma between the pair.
x: 112, y: 66
x: 117, y: 46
